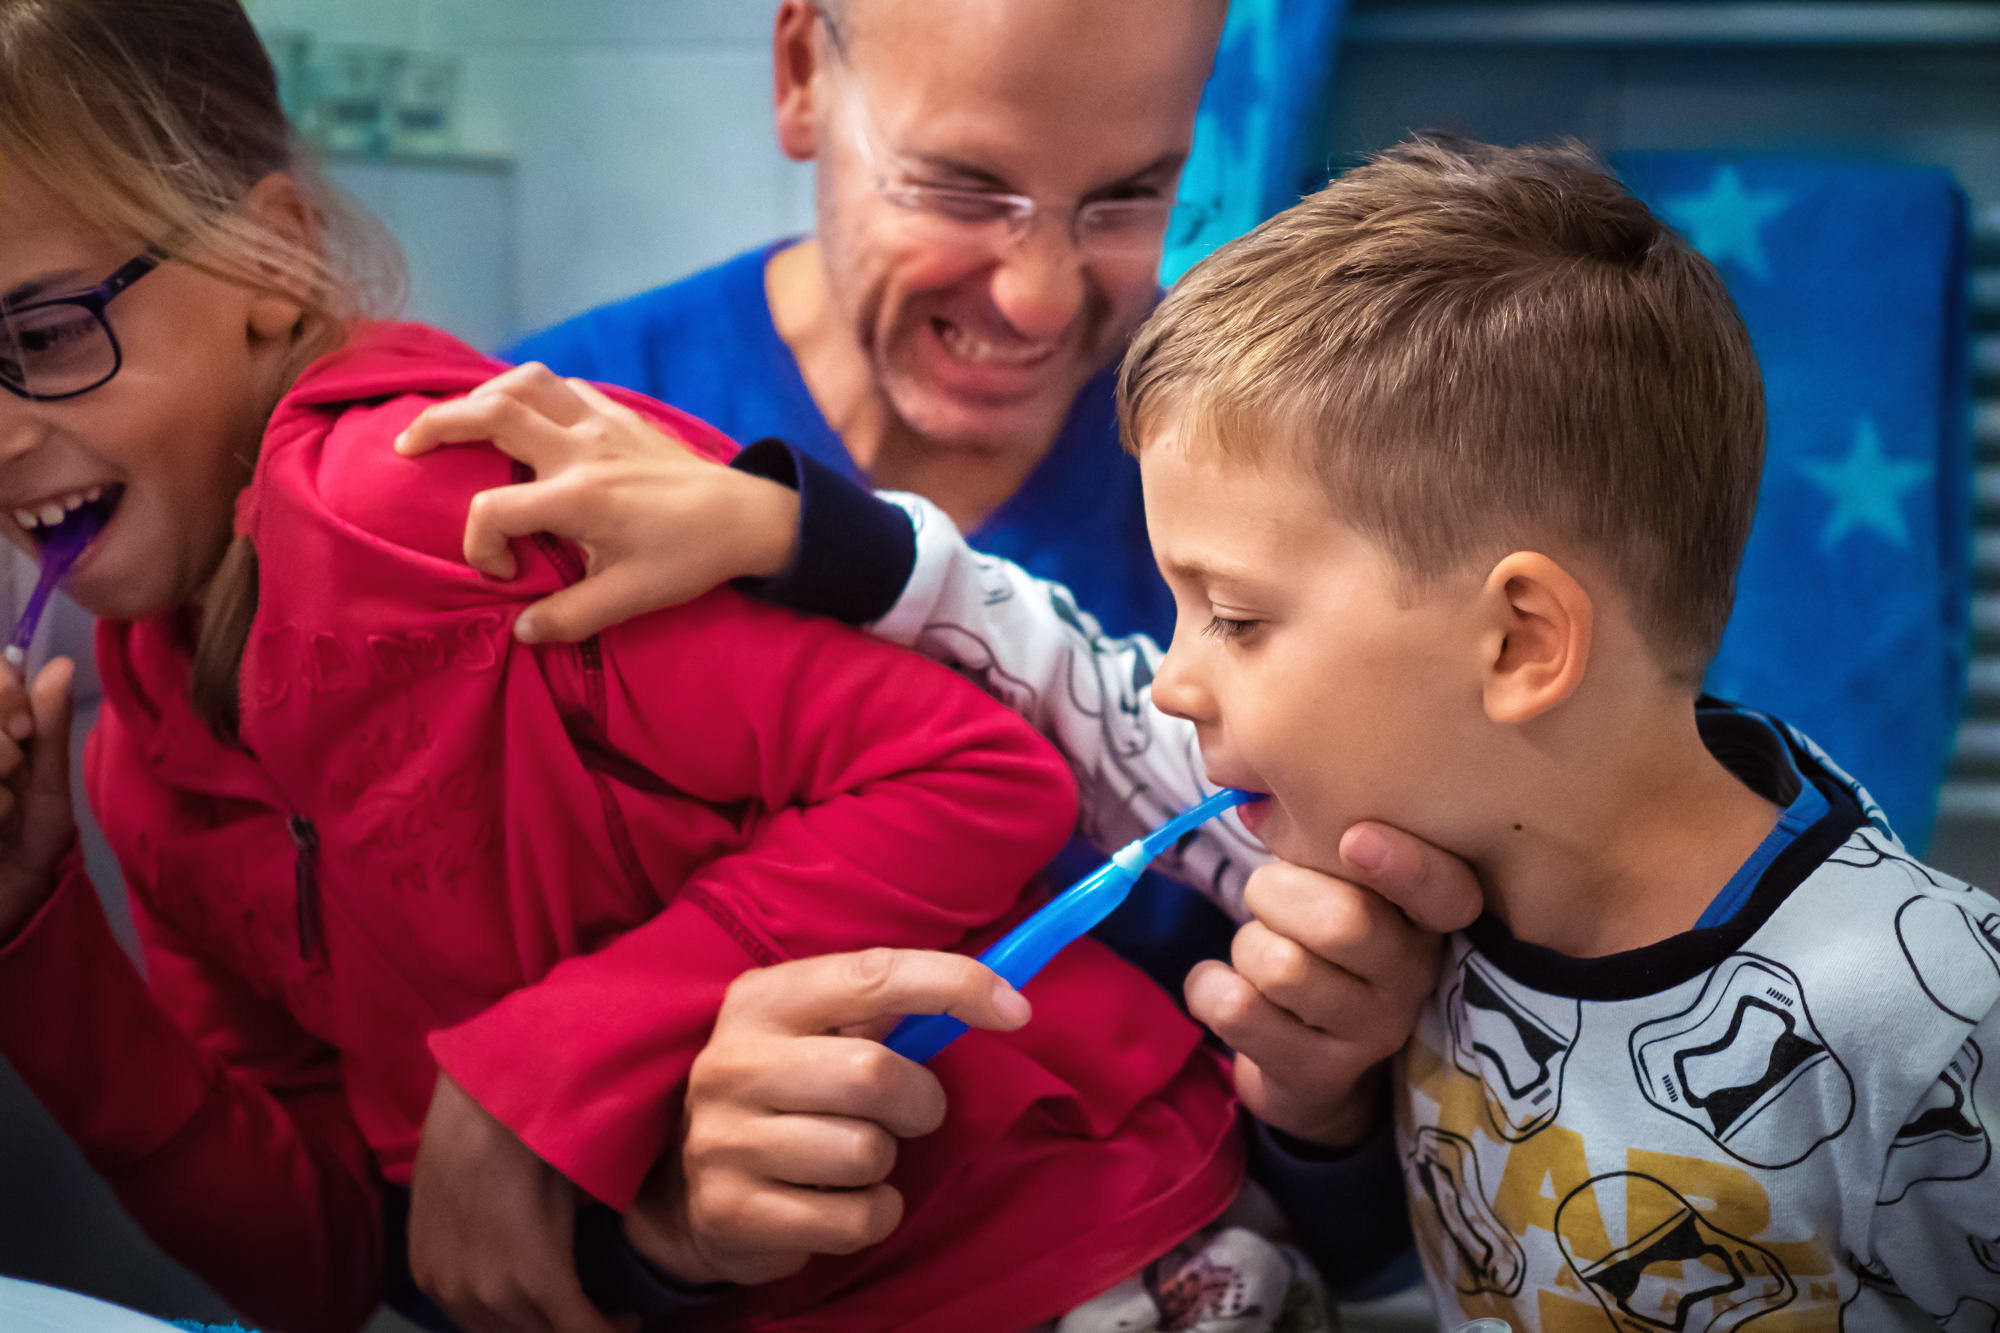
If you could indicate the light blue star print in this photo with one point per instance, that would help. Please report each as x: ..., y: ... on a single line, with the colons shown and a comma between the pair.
x: 1727, y: 222
x: 1867, y: 489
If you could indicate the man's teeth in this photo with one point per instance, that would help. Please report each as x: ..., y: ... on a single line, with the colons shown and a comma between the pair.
x: 966, y: 347
x: 53, y: 512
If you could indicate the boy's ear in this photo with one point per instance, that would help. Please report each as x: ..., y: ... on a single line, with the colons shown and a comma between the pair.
x: 278, y: 205
x: 798, y: 95
x: 1539, y: 626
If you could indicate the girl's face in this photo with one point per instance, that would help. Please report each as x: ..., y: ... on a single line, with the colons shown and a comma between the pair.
x: 170, y: 439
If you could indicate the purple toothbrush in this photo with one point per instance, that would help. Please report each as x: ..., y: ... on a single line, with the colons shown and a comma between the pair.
x: 60, y: 550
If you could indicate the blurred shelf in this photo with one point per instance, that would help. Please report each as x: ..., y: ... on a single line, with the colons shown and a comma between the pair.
x: 496, y: 163
x: 1677, y: 24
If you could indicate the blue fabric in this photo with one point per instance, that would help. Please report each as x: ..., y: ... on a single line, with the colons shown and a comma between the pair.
x: 1801, y: 813
x: 1256, y: 139
x: 1851, y: 608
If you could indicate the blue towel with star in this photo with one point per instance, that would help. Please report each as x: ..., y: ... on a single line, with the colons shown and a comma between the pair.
x: 1852, y: 603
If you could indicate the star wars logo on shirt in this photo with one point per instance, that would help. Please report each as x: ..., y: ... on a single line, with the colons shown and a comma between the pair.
x: 1515, y: 1041
x: 1745, y: 1065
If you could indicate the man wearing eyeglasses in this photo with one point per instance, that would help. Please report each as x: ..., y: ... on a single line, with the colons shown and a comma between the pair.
x: 995, y: 183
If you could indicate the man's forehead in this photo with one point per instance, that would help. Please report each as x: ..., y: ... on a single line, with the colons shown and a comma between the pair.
x: 1106, y: 29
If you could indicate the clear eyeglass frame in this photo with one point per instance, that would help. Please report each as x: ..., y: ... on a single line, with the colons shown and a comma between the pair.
x: 1112, y: 229
x: 64, y: 347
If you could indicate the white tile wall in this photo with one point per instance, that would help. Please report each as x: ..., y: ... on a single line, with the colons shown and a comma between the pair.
x: 640, y: 131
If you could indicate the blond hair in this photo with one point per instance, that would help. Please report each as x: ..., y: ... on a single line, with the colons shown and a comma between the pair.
x: 1479, y: 349
x: 153, y: 119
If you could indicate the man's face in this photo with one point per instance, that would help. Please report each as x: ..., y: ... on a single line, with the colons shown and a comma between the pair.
x: 979, y: 338
x: 1304, y: 672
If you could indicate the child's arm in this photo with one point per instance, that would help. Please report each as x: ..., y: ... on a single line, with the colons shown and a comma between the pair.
x: 1936, y: 1229
x: 223, y: 1129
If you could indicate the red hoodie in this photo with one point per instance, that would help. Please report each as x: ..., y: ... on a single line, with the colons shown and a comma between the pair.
x: 540, y: 868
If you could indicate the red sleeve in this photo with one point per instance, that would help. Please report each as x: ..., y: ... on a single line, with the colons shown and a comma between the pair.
x: 894, y: 804
x: 228, y: 1139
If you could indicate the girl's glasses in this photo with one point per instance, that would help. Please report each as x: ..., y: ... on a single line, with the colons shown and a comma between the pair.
x: 60, y: 348
x: 1108, y: 229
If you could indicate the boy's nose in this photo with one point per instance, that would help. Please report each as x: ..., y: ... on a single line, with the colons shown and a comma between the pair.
x: 1177, y: 688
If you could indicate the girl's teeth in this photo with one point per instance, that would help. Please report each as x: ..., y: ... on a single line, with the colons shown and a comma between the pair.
x: 25, y: 518
x: 52, y: 513
x: 94, y: 494
x: 74, y: 500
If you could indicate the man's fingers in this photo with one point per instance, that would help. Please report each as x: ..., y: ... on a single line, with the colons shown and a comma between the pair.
x: 782, y: 1219
x: 1434, y: 888
x: 820, y: 1151
x: 833, y: 1076
x: 608, y: 597
x: 812, y: 995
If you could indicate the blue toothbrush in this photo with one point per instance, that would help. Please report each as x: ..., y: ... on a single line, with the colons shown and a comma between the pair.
x: 1028, y: 947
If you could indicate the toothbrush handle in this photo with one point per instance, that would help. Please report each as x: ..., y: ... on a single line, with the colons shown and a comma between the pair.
x: 920, y: 1036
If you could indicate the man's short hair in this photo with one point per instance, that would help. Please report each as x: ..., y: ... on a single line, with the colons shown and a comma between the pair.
x: 1482, y: 350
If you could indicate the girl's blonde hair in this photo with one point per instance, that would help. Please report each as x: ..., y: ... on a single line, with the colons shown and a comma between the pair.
x: 153, y: 119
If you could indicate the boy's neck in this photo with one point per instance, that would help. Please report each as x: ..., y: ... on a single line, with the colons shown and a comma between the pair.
x: 1627, y: 842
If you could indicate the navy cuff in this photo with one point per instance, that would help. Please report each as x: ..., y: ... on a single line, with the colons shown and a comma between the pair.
x: 1346, y: 1206
x: 856, y: 553
x: 620, y: 1280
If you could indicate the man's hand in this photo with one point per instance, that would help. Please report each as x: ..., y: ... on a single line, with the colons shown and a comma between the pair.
x: 1327, y: 979
x: 492, y: 1226
x: 658, y: 524
x: 36, y: 821
x: 794, y: 1109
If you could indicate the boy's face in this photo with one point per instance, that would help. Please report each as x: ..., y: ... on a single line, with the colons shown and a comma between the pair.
x: 1303, y: 674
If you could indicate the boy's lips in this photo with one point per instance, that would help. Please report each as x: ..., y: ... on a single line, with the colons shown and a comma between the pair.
x: 1254, y: 813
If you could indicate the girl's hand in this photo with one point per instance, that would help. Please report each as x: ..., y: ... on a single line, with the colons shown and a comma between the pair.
x: 658, y: 524
x: 1327, y: 980
x: 794, y: 1108
x: 36, y: 820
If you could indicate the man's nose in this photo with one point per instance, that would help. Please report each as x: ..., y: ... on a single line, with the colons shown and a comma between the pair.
x: 1039, y: 286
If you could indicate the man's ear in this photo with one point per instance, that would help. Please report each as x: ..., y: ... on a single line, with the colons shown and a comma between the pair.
x: 1539, y: 625
x: 279, y: 206
x: 797, y: 96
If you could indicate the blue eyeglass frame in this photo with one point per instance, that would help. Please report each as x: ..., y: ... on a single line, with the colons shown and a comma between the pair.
x: 94, y: 300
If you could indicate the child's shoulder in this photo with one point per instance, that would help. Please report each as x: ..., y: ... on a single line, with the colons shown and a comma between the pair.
x: 330, y: 447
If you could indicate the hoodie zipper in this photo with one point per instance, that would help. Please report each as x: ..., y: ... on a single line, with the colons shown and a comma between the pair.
x: 305, y: 879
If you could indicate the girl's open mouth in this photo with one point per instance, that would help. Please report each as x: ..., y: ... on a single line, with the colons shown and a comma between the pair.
x: 73, y: 523
x: 66, y: 536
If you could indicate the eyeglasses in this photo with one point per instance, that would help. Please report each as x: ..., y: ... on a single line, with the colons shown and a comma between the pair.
x: 56, y: 349
x: 1111, y: 229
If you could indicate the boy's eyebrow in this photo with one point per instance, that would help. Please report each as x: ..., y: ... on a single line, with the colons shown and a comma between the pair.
x: 1206, y: 569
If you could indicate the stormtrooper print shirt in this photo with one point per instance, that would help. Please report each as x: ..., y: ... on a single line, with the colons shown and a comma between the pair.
x: 1786, y: 1117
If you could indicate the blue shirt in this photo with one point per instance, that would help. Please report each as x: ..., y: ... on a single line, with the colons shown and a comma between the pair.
x: 706, y: 345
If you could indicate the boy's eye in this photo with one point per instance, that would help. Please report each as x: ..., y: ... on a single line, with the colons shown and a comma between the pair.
x: 1225, y: 629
